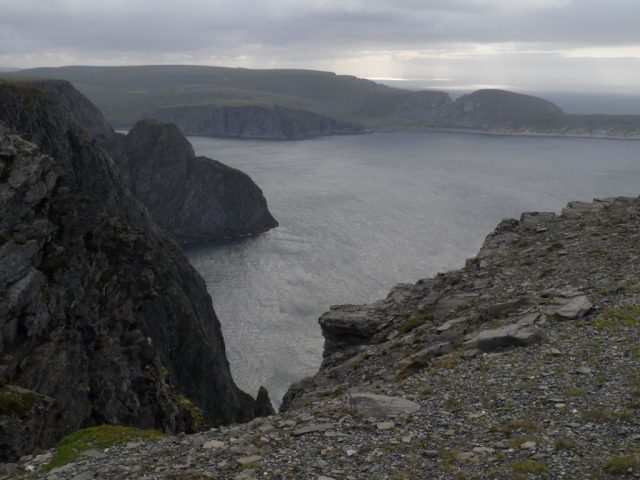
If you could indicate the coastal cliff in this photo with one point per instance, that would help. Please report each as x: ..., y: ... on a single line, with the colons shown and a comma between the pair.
x: 296, y: 104
x: 103, y: 320
x: 193, y: 198
x: 255, y: 121
x: 522, y: 364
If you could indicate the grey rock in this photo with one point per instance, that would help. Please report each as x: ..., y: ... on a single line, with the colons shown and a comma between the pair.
x: 511, y: 335
x: 345, y: 326
x: 379, y: 406
x: 576, y: 307
x: 102, y: 317
x: 313, y: 428
x: 193, y: 198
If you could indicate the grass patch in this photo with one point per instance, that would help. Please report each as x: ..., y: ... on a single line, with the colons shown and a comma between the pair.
x: 16, y: 402
x: 517, y: 424
x: 414, y: 321
x: 601, y: 415
x: 96, y: 438
x: 626, y: 316
x: 564, y: 443
x: 529, y: 466
x: 620, y: 465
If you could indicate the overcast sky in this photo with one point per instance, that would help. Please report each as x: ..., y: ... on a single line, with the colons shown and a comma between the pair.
x: 526, y: 44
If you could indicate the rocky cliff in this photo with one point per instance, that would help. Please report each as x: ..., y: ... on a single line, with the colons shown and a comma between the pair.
x: 102, y: 319
x: 193, y: 198
x: 255, y: 121
x: 523, y: 364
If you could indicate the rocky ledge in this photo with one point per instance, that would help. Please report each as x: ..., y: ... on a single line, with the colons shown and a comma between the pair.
x: 523, y: 364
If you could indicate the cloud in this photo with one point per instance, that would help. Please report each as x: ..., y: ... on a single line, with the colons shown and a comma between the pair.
x: 331, y: 33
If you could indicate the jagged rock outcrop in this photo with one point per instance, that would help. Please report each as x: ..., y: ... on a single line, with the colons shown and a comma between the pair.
x: 255, y: 121
x: 102, y: 318
x: 193, y: 198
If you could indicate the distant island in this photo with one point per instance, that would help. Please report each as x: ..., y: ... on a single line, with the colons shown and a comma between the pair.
x: 299, y: 104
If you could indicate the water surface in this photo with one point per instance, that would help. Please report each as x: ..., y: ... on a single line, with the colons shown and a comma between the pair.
x: 359, y: 214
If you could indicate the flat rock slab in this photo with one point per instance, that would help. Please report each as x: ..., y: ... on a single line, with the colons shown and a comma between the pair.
x: 249, y: 460
x: 378, y: 406
x: 577, y: 307
x: 511, y: 335
x: 313, y: 428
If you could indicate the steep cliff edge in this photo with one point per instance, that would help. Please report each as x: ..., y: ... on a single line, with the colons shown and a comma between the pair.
x: 193, y: 198
x: 255, y: 121
x: 103, y: 320
x: 523, y: 364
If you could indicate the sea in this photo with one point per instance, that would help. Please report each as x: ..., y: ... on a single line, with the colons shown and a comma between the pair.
x: 359, y: 214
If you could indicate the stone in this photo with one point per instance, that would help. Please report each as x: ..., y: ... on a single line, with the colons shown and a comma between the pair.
x: 249, y: 460
x: 385, y: 425
x: 511, y: 335
x: 313, y: 428
x: 576, y: 307
x: 346, y: 326
x: 380, y: 406
x: 214, y: 445
x: 528, y: 445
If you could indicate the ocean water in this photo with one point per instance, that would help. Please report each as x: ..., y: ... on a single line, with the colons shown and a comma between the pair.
x: 359, y: 214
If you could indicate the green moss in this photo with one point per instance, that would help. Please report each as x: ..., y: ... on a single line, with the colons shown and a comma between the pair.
x: 621, y: 464
x: 98, y: 438
x: 564, y: 443
x: 199, y: 420
x: 414, y: 321
x: 626, y: 316
x: 13, y: 402
x: 529, y: 466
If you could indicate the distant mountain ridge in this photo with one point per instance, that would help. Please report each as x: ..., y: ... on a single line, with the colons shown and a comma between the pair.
x: 312, y: 103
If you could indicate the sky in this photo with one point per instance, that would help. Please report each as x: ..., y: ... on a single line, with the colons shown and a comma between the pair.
x: 571, y: 45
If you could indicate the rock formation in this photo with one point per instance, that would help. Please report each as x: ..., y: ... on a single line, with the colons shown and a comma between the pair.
x: 102, y: 318
x: 193, y: 198
x: 523, y: 364
x: 255, y: 121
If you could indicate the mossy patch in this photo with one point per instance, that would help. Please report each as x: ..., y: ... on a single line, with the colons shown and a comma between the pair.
x: 529, y: 466
x: 414, y: 321
x: 620, y: 465
x: 626, y: 316
x: 96, y: 438
x: 16, y: 402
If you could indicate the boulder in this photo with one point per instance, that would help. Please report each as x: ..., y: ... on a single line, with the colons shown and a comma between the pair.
x: 511, y: 335
x: 380, y: 406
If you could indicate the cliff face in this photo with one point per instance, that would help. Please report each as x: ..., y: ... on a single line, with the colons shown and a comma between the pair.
x: 525, y: 363
x: 254, y: 121
x: 193, y: 198
x: 102, y: 318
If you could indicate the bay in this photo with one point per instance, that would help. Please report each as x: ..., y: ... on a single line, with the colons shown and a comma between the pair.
x: 359, y: 214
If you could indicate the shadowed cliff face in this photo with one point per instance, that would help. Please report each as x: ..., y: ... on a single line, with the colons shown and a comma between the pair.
x: 194, y: 198
x: 102, y: 319
x: 255, y: 121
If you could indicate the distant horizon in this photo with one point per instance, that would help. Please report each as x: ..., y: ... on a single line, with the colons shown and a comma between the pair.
x: 595, y: 99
